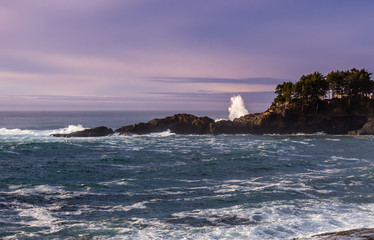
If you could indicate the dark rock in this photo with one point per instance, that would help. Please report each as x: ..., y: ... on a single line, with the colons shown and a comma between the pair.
x: 331, y: 118
x: 179, y: 123
x: 367, y: 129
x: 354, y: 234
x: 92, y: 132
x: 290, y: 122
x: 228, y: 127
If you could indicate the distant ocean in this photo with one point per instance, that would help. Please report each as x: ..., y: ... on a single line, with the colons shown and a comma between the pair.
x: 167, y: 186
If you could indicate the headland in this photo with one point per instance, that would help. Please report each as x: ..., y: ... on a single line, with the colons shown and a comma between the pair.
x: 339, y: 103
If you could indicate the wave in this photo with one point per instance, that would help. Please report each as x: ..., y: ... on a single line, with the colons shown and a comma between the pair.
x: 166, y: 133
x: 39, y: 133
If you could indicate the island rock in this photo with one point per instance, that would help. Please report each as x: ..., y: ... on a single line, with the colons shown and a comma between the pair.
x: 179, y: 123
x: 92, y: 132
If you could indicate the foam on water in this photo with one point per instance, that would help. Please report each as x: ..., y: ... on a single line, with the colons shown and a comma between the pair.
x: 166, y: 133
x: 273, y: 220
x: 41, y: 216
x: 267, y: 220
x: 39, y: 133
x: 185, y: 187
x: 281, y: 220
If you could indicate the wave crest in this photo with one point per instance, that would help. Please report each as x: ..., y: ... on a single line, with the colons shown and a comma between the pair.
x: 28, y: 132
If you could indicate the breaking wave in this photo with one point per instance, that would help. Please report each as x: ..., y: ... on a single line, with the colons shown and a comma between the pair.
x: 39, y: 133
x: 237, y: 108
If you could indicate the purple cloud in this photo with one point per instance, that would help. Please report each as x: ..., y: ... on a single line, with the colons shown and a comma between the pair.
x: 114, y: 48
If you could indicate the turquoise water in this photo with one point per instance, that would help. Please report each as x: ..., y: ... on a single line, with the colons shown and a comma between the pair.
x: 167, y: 186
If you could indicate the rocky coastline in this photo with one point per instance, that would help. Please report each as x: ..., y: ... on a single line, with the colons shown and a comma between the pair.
x: 331, y: 118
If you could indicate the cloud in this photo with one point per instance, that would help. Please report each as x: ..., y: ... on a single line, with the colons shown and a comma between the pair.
x: 181, y: 101
x: 255, y: 97
x: 260, y: 80
x: 255, y: 101
x: 126, y: 48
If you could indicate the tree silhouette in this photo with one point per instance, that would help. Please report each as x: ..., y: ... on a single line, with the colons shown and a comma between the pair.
x: 336, y: 83
x: 284, y: 93
x: 312, y: 89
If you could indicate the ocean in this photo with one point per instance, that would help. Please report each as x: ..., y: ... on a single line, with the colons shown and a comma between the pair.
x: 168, y: 186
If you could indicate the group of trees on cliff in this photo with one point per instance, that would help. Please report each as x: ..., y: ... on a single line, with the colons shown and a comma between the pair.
x: 315, y: 87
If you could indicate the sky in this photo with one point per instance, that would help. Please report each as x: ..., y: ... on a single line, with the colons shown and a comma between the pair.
x: 172, y: 55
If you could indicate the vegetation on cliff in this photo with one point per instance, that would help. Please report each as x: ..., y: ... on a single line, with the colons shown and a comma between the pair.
x: 341, y: 86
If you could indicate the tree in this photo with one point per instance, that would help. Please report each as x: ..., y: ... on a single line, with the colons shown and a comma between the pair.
x: 318, y: 86
x: 284, y: 93
x: 366, y: 84
x: 336, y: 81
x: 311, y: 89
x: 301, y: 91
x: 358, y: 84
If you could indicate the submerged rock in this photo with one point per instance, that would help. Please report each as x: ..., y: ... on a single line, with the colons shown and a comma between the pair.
x: 92, y: 132
x: 354, y: 234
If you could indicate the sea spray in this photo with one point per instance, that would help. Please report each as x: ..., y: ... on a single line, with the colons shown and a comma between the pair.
x: 237, y: 107
x: 32, y: 132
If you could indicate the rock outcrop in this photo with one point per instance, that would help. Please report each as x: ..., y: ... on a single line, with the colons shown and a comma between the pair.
x: 331, y: 118
x: 179, y: 123
x: 92, y: 132
x: 367, y: 129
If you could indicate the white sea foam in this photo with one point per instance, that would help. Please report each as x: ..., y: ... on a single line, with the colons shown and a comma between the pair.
x: 283, y: 219
x: 166, y: 133
x: 304, y: 143
x: 39, y: 133
x: 42, y: 216
x: 36, y: 216
x: 69, y: 129
x: 138, y: 205
x: 270, y: 220
x: 278, y: 220
x: 237, y: 107
x: 333, y: 139
x: 115, y: 182
x: 344, y: 158
x: 47, y: 191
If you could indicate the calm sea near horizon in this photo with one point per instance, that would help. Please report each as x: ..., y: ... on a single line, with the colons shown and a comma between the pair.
x: 168, y: 186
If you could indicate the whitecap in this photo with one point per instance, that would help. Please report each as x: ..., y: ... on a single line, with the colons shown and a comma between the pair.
x: 69, y: 129
x: 114, y: 182
x: 333, y: 139
x: 41, y: 215
x: 344, y: 158
x: 39, y: 133
x: 166, y: 133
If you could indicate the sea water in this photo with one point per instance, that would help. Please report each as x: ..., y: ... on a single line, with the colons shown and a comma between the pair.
x: 168, y: 186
